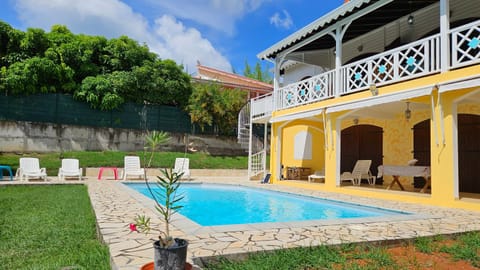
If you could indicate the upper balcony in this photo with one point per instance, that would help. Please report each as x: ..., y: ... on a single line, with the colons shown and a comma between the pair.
x: 412, y: 60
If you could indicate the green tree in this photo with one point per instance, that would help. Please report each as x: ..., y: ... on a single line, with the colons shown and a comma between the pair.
x: 210, y: 105
x: 104, y: 73
x: 34, y: 75
x: 60, y: 34
x: 35, y: 42
x: 104, y: 91
x: 125, y: 53
x: 259, y: 73
x: 10, y: 40
x: 200, y: 105
x: 233, y: 100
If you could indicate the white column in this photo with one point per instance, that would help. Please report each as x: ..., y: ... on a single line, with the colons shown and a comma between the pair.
x: 444, y: 36
x: 265, y: 131
x: 276, y: 83
x: 250, y: 135
x: 339, y: 33
x: 338, y: 59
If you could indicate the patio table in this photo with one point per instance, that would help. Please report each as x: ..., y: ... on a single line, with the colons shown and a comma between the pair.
x: 114, y: 169
x: 397, y: 171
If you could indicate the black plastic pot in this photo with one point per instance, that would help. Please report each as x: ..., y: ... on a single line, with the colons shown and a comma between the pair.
x: 171, y: 258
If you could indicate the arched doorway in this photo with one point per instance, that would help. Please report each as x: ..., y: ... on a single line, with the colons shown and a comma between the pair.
x: 468, y: 153
x: 361, y: 142
x: 421, y: 148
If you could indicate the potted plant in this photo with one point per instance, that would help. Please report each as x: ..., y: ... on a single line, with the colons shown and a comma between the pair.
x: 169, y: 253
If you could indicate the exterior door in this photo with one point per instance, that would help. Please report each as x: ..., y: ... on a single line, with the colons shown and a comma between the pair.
x: 421, y: 148
x: 362, y: 142
x: 468, y: 153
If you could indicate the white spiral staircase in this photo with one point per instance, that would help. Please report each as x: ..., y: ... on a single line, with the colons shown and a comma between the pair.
x: 251, y: 143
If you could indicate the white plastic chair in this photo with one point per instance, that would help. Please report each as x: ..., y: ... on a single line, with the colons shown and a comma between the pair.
x: 132, y: 167
x: 359, y: 172
x: 182, y: 166
x: 70, y: 168
x: 30, y: 168
x: 317, y: 175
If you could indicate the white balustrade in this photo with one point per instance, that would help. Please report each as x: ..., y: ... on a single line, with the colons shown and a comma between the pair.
x: 257, y: 164
x: 262, y: 106
x: 413, y: 60
x: 465, y: 45
x: 313, y: 89
x: 410, y: 61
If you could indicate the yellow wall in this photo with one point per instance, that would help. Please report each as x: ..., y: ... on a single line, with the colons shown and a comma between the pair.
x: 397, y: 142
x: 318, y: 145
x: 397, y: 138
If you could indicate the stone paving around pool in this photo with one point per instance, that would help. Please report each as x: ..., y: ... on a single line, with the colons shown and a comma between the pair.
x: 116, y: 206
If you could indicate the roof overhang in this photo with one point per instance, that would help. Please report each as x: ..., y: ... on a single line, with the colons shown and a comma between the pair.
x: 295, y: 116
x: 362, y: 16
x: 468, y: 83
x: 329, y: 19
x: 383, y: 99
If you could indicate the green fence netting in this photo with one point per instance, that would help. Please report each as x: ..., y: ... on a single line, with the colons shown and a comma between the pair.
x: 63, y: 109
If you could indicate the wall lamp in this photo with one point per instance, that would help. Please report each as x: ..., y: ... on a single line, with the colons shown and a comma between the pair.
x: 373, y: 89
x: 408, y: 112
x: 410, y: 20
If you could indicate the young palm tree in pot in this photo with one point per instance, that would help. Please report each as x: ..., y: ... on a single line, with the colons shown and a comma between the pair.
x: 169, y: 253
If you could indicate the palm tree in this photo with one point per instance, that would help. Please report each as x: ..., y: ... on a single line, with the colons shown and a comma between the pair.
x: 153, y: 140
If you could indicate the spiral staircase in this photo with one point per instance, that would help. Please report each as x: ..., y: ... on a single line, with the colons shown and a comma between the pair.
x: 251, y: 142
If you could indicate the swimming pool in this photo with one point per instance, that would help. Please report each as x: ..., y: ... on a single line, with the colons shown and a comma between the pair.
x: 214, y: 204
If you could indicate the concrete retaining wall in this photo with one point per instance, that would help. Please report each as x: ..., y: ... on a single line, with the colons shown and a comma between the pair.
x: 24, y: 137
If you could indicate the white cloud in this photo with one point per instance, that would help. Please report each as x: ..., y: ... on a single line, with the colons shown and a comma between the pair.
x: 187, y: 45
x: 217, y: 14
x: 285, y: 22
x: 113, y: 18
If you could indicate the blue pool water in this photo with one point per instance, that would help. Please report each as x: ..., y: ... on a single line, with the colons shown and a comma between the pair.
x: 210, y: 205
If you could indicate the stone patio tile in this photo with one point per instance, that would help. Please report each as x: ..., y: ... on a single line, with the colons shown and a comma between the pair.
x: 116, y: 205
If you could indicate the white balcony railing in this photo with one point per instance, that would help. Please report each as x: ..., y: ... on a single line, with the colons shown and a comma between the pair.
x: 413, y: 60
x: 313, y: 89
x: 416, y: 59
x: 257, y: 164
x: 465, y: 45
x: 262, y: 106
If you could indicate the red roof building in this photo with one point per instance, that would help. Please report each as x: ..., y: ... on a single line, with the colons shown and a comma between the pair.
x: 227, y: 80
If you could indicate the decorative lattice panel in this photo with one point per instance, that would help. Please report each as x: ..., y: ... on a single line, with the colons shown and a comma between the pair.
x: 466, y: 45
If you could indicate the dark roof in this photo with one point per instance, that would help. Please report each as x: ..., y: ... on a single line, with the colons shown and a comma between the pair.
x: 390, y: 11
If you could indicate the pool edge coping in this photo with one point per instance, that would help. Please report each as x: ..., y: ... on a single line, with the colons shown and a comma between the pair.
x: 190, y: 227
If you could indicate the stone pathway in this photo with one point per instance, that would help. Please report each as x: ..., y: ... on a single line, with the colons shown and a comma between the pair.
x: 116, y: 206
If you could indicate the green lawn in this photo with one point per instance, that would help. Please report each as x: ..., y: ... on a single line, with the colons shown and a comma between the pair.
x: 52, y: 161
x: 49, y: 227
x: 423, y: 252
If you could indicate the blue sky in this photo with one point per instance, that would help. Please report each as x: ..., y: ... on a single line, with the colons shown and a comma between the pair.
x: 219, y: 33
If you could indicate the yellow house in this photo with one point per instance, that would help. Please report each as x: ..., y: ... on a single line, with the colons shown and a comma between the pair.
x: 387, y: 81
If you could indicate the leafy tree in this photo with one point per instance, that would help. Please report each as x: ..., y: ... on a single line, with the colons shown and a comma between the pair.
x: 125, y: 53
x: 34, y: 75
x: 247, y: 71
x: 258, y: 73
x: 104, y: 73
x: 5, y: 30
x: 201, y: 103
x: 10, y: 45
x: 233, y: 100
x: 210, y: 105
x: 35, y: 42
x: 60, y: 34
x: 103, y: 91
